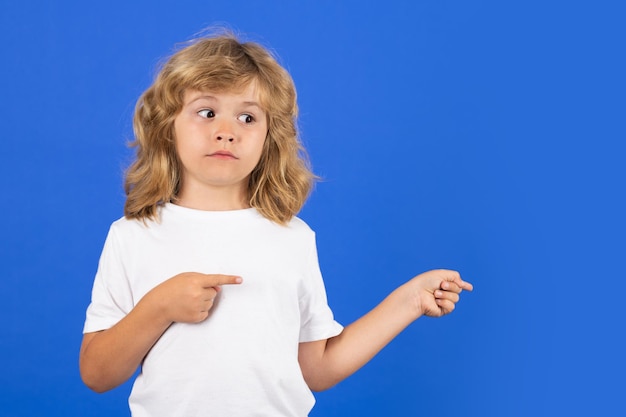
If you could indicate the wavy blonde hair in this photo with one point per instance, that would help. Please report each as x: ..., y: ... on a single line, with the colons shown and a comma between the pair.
x: 281, y: 181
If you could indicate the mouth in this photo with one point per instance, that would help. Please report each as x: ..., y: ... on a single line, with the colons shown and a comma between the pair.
x: 223, y: 155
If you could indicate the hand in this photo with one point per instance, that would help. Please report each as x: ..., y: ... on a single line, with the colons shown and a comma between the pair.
x: 435, y: 293
x: 188, y: 297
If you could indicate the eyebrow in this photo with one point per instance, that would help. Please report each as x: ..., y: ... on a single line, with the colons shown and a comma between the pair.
x: 212, y: 98
x: 252, y: 103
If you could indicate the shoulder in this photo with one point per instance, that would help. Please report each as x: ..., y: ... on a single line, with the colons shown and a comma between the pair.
x: 124, y: 229
x: 123, y: 225
x: 298, y: 232
x: 296, y: 223
x: 299, y: 227
x: 294, y: 235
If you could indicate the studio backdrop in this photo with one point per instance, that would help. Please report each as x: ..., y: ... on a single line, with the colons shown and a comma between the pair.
x: 486, y: 137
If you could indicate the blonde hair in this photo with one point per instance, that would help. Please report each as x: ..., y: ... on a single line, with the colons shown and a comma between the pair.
x: 281, y: 181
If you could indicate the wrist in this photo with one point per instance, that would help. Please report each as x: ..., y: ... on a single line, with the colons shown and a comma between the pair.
x: 155, y: 307
x: 406, y: 298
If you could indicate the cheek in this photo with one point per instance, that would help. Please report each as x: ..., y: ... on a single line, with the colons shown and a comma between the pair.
x: 259, y: 149
x: 259, y: 143
x: 188, y: 141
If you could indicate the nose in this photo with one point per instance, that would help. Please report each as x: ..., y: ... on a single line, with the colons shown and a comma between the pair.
x: 228, y: 138
x: 225, y: 132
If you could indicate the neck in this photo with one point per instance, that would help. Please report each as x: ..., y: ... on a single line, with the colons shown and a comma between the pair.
x: 214, y: 199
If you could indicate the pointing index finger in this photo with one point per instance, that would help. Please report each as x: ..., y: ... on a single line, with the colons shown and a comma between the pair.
x: 465, y: 285
x: 214, y: 280
x: 456, y: 284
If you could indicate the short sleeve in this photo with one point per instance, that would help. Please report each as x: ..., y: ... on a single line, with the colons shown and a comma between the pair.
x: 316, y: 318
x: 111, y: 297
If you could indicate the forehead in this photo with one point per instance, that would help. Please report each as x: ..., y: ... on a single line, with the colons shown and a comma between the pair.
x: 247, y: 92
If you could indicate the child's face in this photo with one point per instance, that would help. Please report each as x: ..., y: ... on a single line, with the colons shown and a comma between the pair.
x: 219, y: 140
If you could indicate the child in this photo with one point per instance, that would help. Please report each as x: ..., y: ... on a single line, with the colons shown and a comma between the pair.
x: 210, y: 283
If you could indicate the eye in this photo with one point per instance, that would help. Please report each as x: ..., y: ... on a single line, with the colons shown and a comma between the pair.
x: 246, y: 118
x: 206, y: 113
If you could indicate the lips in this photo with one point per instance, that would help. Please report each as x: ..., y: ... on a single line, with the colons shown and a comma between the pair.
x: 223, y: 155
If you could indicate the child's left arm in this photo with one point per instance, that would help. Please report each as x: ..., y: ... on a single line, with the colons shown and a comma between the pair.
x: 325, y: 363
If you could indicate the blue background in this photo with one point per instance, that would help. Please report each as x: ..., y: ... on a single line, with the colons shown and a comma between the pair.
x: 484, y: 136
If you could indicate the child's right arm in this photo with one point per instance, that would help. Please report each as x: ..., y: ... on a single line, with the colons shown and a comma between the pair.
x: 109, y: 357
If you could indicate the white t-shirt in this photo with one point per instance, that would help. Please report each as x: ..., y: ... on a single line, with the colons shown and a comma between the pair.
x: 242, y: 360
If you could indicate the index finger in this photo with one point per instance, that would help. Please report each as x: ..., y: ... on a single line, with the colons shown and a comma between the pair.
x: 213, y: 280
x: 459, y: 284
x: 465, y: 285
